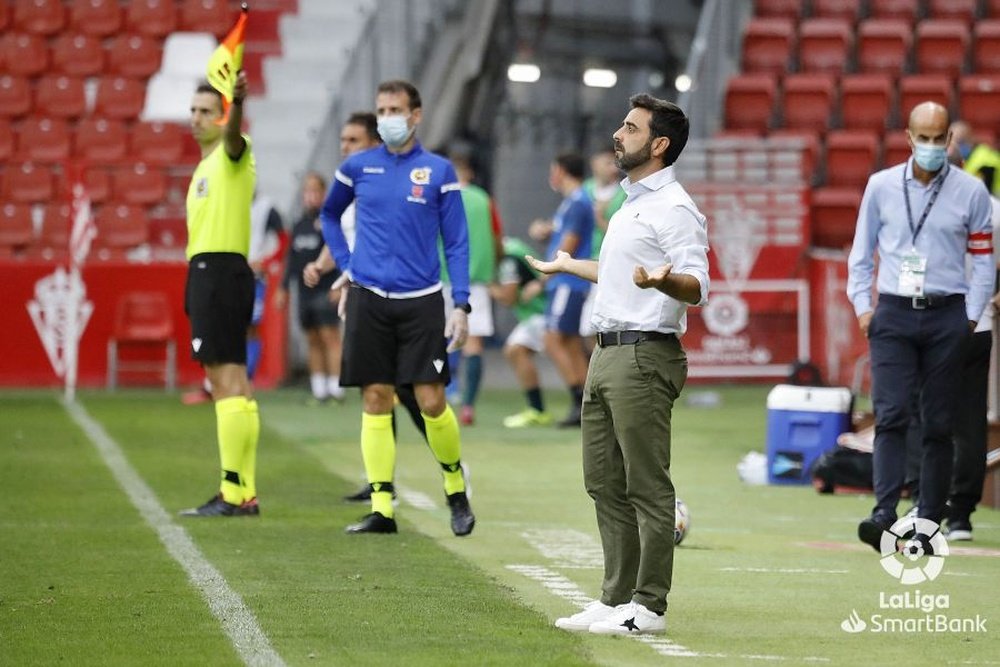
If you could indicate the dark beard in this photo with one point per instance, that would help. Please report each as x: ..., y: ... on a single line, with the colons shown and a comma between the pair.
x: 629, y: 161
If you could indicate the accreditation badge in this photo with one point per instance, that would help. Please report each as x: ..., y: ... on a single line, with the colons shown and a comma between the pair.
x: 911, y: 274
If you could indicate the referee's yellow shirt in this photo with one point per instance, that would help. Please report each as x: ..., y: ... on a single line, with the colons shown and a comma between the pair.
x: 218, y: 203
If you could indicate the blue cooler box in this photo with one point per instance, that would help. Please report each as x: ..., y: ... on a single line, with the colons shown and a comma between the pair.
x: 802, y: 423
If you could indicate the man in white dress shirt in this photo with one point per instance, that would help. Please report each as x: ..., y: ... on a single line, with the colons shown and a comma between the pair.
x: 653, y: 264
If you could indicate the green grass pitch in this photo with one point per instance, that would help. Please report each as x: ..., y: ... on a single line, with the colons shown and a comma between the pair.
x: 767, y: 575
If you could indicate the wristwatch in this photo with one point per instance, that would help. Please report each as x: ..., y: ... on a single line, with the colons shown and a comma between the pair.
x: 464, y: 306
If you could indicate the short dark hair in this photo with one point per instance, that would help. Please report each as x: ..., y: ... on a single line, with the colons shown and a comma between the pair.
x: 205, y: 87
x: 667, y: 120
x: 573, y: 164
x: 367, y: 120
x: 401, y: 86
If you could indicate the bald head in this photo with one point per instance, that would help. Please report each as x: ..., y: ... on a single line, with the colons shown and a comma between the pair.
x: 929, y: 115
x: 929, y: 135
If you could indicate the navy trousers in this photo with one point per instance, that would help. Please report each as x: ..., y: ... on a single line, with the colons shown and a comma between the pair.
x: 915, y: 350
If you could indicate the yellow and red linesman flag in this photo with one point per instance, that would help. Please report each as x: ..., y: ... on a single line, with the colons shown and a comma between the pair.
x: 227, y: 61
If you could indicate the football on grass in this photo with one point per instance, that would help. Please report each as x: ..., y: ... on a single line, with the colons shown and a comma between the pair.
x: 682, y: 521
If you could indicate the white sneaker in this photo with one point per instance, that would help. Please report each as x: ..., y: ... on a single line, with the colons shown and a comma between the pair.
x: 581, y: 621
x: 630, y: 618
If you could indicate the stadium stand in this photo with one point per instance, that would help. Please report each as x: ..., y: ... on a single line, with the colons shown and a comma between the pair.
x: 100, y: 18
x: 119, y: 97
x: 834, y: 213
x: 41, y: 17
x: 60, y: 96
x: 100, y: 139
x: 903, y: 10
x: 978, y: 101
x: 17, y: 230
x: 28, y: 183
x: 15, y: 96
x: 159, y: 143
x: 151, y: 18
x: 768, y: 45
x: 134, y: 56
x: 750, y: 101
x: 143, y: 319
x: 78, y: 55
x: 867, y: 101
x: 23, y: 54
x: 808, y: 101
x: 851, y: 156
x: 825, y: 45
x: 139, y: 184
x: 213, y: 16
x: 962, y: 10
x: 6, y: 140
x: 941, y: 46
x: 986, y: 46
x: 837, y: 9
x: 884, y: 46
x: 43, y: 139
x: 790, y: 9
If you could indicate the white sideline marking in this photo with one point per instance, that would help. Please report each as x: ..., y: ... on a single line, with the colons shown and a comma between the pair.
x: 782, y: 570
x: 417, y: 499
x: 226, y: 605
x: 566, y: 589
x: 569, y: 549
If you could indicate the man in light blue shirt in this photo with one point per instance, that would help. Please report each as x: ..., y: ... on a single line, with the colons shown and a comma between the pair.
x: 922, y: 217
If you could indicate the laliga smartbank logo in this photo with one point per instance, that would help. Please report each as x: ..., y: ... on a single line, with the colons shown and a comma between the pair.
x: 913, y: 552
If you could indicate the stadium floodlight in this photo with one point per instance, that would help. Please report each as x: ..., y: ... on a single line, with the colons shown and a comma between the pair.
x: 682, y: 83
x: 600, y: 78
x: 524, y: 73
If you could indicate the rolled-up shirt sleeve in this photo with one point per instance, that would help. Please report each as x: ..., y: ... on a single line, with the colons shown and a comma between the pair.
x: 683, y: 237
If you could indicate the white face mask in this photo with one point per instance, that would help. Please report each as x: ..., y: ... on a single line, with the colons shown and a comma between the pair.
x: 930, y: 157
x: 394, y: 130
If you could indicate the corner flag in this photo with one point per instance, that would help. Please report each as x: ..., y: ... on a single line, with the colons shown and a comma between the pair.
x: 227, y: 60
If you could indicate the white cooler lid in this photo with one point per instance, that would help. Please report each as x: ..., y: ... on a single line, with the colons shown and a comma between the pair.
x: 811, y: 399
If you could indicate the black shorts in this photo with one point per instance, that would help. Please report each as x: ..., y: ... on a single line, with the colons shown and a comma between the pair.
x: 315, y: 309
x: 394, y: 341
x: 218, y: 300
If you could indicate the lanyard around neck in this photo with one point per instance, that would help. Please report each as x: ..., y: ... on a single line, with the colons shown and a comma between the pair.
x: 914, y: 231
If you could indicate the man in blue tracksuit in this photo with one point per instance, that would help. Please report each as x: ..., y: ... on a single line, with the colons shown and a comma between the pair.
x: 395, y: 328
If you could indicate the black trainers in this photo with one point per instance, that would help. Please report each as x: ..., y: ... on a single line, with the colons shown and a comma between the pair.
x: 959, y: 530
x: 216, y: 506
x: 462, y: 518
x: 572, y: 420
x: 870, y: 531
x: 364, y: 495
x: 373, y: 523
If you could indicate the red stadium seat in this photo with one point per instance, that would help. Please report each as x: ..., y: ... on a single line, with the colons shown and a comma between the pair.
x: 992, y: 9
x: 941, y: 47
x: 42, y: 17
x: 23, y: 54
x: 4, y: 15
x: 15, y: 96
x: 851, y: 157
x: 808, y: 101
x: 119, y: 98
x: 867, y: 101
x: 895, y: 149
x: 767, y: 45
x: 961, y: 10
x: 153, y: 18
x: 56, y: 226
x: 905, y: 10
x: 884, y: 46
x: 837, y: 9
x: 96, y: 17
x: 825, y: 45
x: 101, y: 139
x: 97, y: 180
x: 212, y: 16
x: 143, y: 320
x: 139, y: 184
x: 923, y: 88
x: 986, y: 47
x: 60, y: 96
x: 78, y: 55
x: 28, y: 183
x: 120, y: 226
x: 158, y: 143
x: 790, y: 9
x: 6, y: 140
x: 17, y: 231
x: 135, y: 56
x: 812, y: 145
x: 43, y: 140
x: 834, y: 214
x: 750, y: 101
x: 978, y: 101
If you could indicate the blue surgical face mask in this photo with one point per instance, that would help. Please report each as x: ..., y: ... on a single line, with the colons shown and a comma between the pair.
x: 930, y: 157
x: 393, y: 130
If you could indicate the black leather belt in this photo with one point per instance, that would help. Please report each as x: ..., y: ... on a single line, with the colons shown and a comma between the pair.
x: 610, y: 338
x: 927, y: 302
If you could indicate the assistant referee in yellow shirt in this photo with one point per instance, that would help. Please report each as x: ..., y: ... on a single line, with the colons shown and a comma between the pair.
x: 220, y: 290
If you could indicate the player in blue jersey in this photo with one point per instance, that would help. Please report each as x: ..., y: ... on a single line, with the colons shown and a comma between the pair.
x: 395, y: 329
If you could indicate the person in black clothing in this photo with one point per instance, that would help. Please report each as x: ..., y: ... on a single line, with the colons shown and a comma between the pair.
x: 317, y: 309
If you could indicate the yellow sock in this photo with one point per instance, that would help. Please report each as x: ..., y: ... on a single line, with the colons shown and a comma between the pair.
x: 378, y: 449
x: 442, y: 436
x: 234, y: 428
x: 248, y: 474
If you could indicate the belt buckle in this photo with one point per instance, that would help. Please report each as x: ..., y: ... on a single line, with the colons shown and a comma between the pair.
x: 920, y: 302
